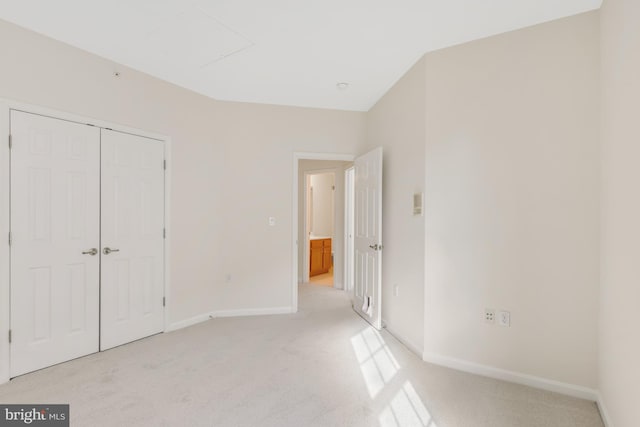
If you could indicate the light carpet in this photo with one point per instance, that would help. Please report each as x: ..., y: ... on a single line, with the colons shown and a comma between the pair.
x: 323, y: 366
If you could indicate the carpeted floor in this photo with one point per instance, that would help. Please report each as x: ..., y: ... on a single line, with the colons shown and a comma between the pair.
x: 323, y: 366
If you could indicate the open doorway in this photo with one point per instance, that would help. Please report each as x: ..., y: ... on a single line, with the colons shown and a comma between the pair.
x: 366, y: 198
x: 320, y: 188
x: 305, y: 165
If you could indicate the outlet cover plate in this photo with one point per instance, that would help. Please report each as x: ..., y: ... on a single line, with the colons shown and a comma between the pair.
x: 489, y: 315
x: 504, y: 318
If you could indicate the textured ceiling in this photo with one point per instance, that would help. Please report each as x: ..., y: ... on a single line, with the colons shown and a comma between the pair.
x: 288, y: 52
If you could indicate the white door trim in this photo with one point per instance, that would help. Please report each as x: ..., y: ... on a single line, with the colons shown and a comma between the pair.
x: 349, y: 176
x: 297, y: 156
x: 5, y: 292
x: 6, y: 105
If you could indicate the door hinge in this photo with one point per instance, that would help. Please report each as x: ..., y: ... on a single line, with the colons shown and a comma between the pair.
x: 164, y: 233
x: 10, y: 142
x: 9, y: 336
x: 164, y: 164
x: 10, y: 239
x: 164, y: 301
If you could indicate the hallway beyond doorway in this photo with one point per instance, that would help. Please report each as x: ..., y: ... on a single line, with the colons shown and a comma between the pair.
x: 325, y: 279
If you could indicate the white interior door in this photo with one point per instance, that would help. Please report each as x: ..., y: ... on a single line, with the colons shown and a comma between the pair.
x: 132, y: 253
x: 55, y: 185
x: 367, y: 295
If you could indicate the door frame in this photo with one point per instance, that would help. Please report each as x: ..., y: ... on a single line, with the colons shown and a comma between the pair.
x: 305, y: 247
x: 349, y: 217
x: 297, y: 156
x: 6, y: 105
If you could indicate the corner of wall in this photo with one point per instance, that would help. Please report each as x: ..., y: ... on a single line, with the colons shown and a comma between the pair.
x: 415, y: 348
x: 604, y: 413
x: 185, y: 323
x: 396, y: 123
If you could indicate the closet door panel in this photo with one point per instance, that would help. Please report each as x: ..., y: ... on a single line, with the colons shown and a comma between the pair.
x: 55, y: 202
x: 132, y: 227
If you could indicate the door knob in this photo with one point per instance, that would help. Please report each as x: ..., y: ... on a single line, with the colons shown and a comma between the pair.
x: 107, y: 251
x: 92, y: 252
x: 374, y: 247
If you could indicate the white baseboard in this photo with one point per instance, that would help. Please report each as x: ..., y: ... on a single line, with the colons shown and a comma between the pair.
x: 190, y: 321
x: 226, y: 313
x: 604, y: 413
x: 254, y: 312
x: 511, y: 376
x: 411, y: 346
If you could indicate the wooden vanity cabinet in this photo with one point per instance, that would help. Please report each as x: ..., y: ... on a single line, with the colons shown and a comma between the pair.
x: 320, y: 256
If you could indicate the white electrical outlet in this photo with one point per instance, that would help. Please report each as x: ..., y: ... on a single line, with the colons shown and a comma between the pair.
x: 504, y: 318
x: 489, y: 315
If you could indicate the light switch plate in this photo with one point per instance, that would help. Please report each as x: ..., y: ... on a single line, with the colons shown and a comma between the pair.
x: 418, y: 203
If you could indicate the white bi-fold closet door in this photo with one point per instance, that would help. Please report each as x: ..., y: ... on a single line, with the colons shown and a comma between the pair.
x: 87, y: 249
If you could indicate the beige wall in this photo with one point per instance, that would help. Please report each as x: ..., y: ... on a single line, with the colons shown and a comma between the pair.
x: 511, y: 200
x: 396, y: 123
x: 620, y: 293
x: 321, y: 203
x: 232, y: 166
